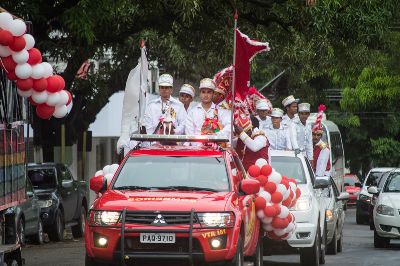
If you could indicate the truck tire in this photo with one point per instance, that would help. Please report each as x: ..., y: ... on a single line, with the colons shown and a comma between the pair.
x: 310, y: 256
x: 340, y: 243
x: 56, y: 232
x: 38, y: 237
x: 333, y: 246
x: 322, y: 248
x: 79, y: 230
x: 21, y: 231
x: 238, y: 259
x: 89, y: 261
x: 380, y: 242
x: 258, y: 256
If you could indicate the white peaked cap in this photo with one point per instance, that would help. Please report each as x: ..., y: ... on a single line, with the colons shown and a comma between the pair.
x: 289, y: 100
x: 166, y: 80
x: 304, y: 107
x: 277, y: 112
x: 207, y: 83
x: 188, y: 89
x: 262, y: 105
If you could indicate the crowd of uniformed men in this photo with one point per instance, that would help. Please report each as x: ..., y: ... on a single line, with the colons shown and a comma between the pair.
x: 268, y: 129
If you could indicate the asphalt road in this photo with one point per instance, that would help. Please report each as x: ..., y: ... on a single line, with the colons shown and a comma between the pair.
x: 358, y: 250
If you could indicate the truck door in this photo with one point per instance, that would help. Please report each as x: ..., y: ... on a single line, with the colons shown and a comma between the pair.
x: 69, y: 192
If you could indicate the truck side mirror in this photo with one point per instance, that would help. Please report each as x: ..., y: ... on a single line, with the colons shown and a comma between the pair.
x: 343, y: 196
x: 373, y: 190
x: 321, y: 183
x: 249, y: 186
x: 98, y: 184
x: 67, y: 183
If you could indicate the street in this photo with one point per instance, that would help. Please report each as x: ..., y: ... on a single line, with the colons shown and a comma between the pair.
x: 358, y: 250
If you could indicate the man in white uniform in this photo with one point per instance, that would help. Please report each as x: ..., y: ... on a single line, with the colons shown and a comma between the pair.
x: 156, y: 108
x: 303, y: 131
x: 263, y: 110
x: 186, y: 95
x: 206, y: 109
x: 290, y: 103
x: 278, y: 135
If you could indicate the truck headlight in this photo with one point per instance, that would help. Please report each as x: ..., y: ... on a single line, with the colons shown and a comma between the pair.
x: 45, y: 203
x: 216, y: 219
x: 385, y: 210
x: 302, y: 204
x: 329, y: 215
x: 105, y: 218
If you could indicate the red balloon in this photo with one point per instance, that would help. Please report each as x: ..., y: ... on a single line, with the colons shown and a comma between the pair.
x: 290, y: 218
x: 35, y: 56
x: 25, y: 84
x: 266, y: 170
x: 40, y: 84
x: 18, y: 44
x: 298, y: 193
x: 53, y: 84
x: 6, y: 37
x: 292, y: 180
x: 287, y: 202
x: 254, y: 171
x: 285, y: 182
x: 280, y: 223
x: 33, y: 103
x: 11, y: 75
x: 270, y: 211
x: 44, y: 111
x: 260, y: 203
x: 270, y: 187
x: 61, y: 80
x: 9, y: 63
x: 69, y: 97
x: 262, y: 179
x: 277, y: 209
x: 276, y: 197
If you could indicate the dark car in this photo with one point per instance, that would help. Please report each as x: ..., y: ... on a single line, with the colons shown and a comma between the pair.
x: 27, y: 217
x: 63, y: 200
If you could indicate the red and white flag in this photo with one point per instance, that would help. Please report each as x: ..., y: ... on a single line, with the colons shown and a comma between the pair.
x: 83, y: 70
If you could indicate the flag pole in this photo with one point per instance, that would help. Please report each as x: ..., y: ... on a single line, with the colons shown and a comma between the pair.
x: 235, y: 17
x: 140, y: 85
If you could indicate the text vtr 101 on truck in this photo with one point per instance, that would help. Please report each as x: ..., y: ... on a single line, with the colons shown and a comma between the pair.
x: 177, y: 202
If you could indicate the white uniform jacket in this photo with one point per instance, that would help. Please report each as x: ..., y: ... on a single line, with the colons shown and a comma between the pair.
x: 264, y: 124
x: 279, y: 139
x: 322, y: 161
x: 304, y: 138
x: 290, y: 124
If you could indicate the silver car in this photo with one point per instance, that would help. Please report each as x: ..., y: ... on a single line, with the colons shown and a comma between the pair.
x: 334, y: 216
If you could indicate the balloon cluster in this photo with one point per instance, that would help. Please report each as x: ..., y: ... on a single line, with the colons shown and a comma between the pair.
x: 34, y: 78
x: 108, y: 172
x: 276, y: 196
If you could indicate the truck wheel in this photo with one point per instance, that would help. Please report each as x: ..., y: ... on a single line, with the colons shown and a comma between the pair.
x: 89, y: 261
x: 38, y: 237
x: 238, y: 259
x: 333, y: 246
x: 21, y: 231
x: 79, y: 230
x: 310, y: 256
x: 322, y: 248
x: 257, y: 258
x: 380, y: 242
x: 56, y: 232
x: 340, y: 243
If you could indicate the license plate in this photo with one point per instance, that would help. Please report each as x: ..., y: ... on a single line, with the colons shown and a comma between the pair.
x: 157, y: 238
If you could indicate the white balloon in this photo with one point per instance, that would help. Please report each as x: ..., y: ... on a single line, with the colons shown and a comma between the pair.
x: 5, y: 51
x: 38, y: 71
x: 234, y: 171
x: 287, y: 194
x: 114, y: 168
x: 267, y: 227
x: 69, y: 107
x: 293, y: 186
x: 64, y: 98
x: 261, y: 189
x: 265, y: 195
x: 54, y: 99
x: 109, y: 177
x: 100, y: 172
x: 21, y: 57
x: 260, y: 214
x: 281, y: 188
x: 29, y: 40
x: 5, y: 20
x: 106, y: 169
x: 284, y: 212
x: 290, y: 228
x: 260, y: 162
x: 280, y: 232
x: 266, y: 220
x: 48, y: 69
x: 275, y: 177
x: 39, y: 97
x: 23, y: 71
x: 25, y: 93
x: 17, y: 27
x: 60, y: 111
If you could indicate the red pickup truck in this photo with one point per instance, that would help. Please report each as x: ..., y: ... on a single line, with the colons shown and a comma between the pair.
x: 175, y: 203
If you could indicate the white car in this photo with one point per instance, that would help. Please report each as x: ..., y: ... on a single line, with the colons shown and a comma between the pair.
x: 310, y: 235
x: 386, y: 212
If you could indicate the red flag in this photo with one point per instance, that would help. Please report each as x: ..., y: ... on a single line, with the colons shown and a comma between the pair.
x: 246, y: 50
x: 83, y: 70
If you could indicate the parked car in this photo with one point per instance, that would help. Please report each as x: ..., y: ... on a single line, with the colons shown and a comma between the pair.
x: 309, y: 238
x: 335, y: 215
x: 364, y: 198
x: 27, y: 217
x: 352, y: 185
x: 63, y: 200
x: 386, y: 213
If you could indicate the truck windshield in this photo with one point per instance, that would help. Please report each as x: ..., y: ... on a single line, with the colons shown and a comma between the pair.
x: 290, y: 167
x: 42, y: 178
x: 173, y: 173
x: 393, y: 183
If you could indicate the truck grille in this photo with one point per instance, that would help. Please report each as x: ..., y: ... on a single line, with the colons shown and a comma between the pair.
x: 169, y: 218
x: 181, y: 245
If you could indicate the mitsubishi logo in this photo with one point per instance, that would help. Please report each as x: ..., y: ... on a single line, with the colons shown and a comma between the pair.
x: 159, y: 220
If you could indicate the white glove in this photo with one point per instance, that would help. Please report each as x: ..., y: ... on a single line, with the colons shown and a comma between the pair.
x: 122, y: 142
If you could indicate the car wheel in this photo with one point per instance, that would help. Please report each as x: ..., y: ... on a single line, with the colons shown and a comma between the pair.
x: 333, y: 246
x: 359, y: 219
x: 322, y: 249
x: 257, y: 258
x: 38, y: 238
x: 79, y: 230
x: 340, y: 243
x: 380, y: 242
x: 56, y: 232
x: 21, y: 231
x: 371, y: 224
x: 310, y: 256
x: 238, y: 259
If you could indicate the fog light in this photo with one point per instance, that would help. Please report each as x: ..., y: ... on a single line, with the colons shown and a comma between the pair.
x: 45, y: 215
x: 216, y: 243
x: 102, y: 241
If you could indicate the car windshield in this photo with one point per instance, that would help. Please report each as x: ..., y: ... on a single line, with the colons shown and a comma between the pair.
x: 393, y: 183
x: 173, y: 173
x: 290, y: 167
x: 349, y: 181
x: 372, y: 179
x: 42, y: 178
